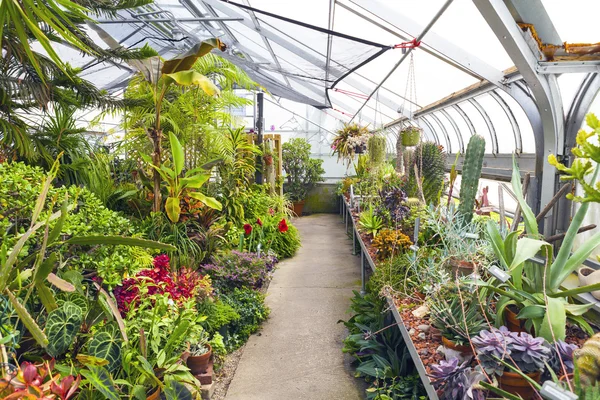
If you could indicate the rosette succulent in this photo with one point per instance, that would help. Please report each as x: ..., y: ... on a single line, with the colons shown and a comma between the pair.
x: 456, y: 381
x: 521, y: 350
x: 562, y: 351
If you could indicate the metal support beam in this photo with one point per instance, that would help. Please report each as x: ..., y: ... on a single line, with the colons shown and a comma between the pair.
x: 511, y: 118
x: 132, y: 21
x: 435, y: 45
x: 461, y: 143
x: 444, y: 132
x: 497, y: 167
x: 488, y: 123
x: 533, y: 12
x: 436, y: 137
x: 546, y: 92
x: 466, y: 118
x: 568, y: 67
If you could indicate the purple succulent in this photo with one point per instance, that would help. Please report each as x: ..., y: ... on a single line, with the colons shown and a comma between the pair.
x: 456, y: 381
x: 492, y: 346
x: 528, y: 353
x: 564, y: 353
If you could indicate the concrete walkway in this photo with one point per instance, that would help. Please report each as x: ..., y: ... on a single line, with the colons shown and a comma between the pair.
x: 298, y: 353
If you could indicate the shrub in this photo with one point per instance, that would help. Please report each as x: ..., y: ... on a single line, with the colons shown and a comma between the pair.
x: 252, y: 309
x: 237, y: 269
x: 21, y: 186
x: 218, y: 314
x: 390, y: 242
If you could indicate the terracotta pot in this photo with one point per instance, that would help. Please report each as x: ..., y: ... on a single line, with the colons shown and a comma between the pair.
x: 199, y: 364
x: 512, y: 323
x: 461, y: 267
x: 419, y: 295
x: 589, y: 276
x: 154, y: 395
x: 268, y: 159
x: 298, y: 207
x: 464, y: 349
x: 514, y: 383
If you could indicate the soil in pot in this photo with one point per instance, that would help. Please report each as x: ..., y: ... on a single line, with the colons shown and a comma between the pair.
x: 514, y: 383
x: 462, y: 349
x: 512, y: 322
x: 298, y: 208
x: 199, y: 364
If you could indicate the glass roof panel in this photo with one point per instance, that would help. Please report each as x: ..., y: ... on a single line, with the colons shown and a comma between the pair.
x: 527, y: 138
x: 479, y: 124
x: 502, y: 126
x: 576, y: 22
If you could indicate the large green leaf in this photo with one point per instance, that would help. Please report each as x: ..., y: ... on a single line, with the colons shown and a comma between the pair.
x: 46, y: 296
x: 189, y: 78
x: 115, y: 311
x: 576, y: 259
x: 196, y: 181
x: 62, y: 326
x: 101, y: 380
x: 186, y: 61
x: 528, y: 216
x: 535, y: 311
x: 106, y: 345
x: 173, y: 209
x: 177, y: 152
x: 119, y: 240
x: 64, y: 211
x: 28, y: 321
x: 497, y: 242
x: 177, y: 391
x: 554, y: 324
x: 209, y: 201
x: 527, y: 248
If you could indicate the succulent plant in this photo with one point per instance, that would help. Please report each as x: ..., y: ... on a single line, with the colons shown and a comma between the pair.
x: 528, y: 353
x: 390, y: 242
x: 393, y: 200
x: 430, y: 161
x: 521, y: 350
x: 455, y: 324
x: 562, y: 351
x: 456, y: 381
x: 588, y: 360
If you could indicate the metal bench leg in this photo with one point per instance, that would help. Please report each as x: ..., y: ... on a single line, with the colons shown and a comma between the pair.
x: 363, y: 287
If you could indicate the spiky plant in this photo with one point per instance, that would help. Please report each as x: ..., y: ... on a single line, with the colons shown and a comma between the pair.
x: 430, y: 162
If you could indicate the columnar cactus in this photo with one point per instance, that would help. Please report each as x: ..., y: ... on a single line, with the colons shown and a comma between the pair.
x: 588, y: 361
x: 431, y: 164
x: 471, y: 173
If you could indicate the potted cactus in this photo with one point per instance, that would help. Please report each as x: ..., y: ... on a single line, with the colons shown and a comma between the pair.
x: 471, y: 172
x: 500, y: 347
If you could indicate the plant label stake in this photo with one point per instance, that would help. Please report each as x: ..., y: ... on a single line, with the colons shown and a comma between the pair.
x: 468, y: 235
x: 258, y: 247
x: 498, y: 273
x: 415, y: 247
x: 551, y: 391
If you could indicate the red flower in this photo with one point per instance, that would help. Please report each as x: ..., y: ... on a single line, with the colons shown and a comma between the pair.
x: 283, y: 227
x: 259, y: 222
x: 248, y: 229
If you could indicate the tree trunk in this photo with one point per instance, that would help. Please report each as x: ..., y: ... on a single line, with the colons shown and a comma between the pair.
x: 156, y: 137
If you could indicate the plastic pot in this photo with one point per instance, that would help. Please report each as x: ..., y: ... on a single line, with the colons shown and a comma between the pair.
x: 155, y: 395
x: 514, y: 383
x: 298, y: 207
x: 199, y: 364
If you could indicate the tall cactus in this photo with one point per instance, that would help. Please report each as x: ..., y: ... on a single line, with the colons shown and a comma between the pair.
x: 471, y: 172
x: 431, y: 163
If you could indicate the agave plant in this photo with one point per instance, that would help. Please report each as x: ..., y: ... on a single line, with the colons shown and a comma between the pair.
x: 455, y: 323
x: 370, y: 222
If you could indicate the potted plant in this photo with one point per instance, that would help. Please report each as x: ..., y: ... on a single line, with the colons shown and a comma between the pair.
x: 199, y: 358
x: 501, y: 352
x: 411, y: 135
x: 302, y: 172
x: 454, y: 326
x: 350, y: 140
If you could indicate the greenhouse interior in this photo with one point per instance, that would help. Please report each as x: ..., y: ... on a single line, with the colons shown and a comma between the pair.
x: 299, y: 200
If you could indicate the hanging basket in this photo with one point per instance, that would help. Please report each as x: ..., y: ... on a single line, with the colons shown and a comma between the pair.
x: 410, y: 136
x: 360, y: 149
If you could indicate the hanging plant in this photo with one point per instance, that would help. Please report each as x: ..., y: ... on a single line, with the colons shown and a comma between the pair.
x: 411, y: 136
x: 350, y: 140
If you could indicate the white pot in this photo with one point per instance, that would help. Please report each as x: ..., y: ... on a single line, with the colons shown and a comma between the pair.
x: 589, y: 276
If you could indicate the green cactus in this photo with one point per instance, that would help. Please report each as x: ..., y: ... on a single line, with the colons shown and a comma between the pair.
x: 430, y: 157
x: 399, y: 157
x: 471, y: 172
x: 377, y: 150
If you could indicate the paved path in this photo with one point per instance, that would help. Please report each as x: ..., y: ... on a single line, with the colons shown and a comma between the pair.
x: 298, y: 353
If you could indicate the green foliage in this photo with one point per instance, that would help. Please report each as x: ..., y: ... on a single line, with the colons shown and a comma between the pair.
x: 302, y: 172
x: 471, y: 172
x: 218, y: 314
x: 250, y: 305
x: 377, y: 150
x: 106, y: 344
x: 286, y: 244
x: 370, y: 222
x: 62, y: 326
x: 99, y: 378
x: 430, y: 162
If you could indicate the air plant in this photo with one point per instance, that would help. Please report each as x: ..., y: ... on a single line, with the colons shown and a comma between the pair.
x: 456, y: 381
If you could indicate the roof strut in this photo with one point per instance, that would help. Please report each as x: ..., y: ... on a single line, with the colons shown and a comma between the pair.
x: 408, y: 51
